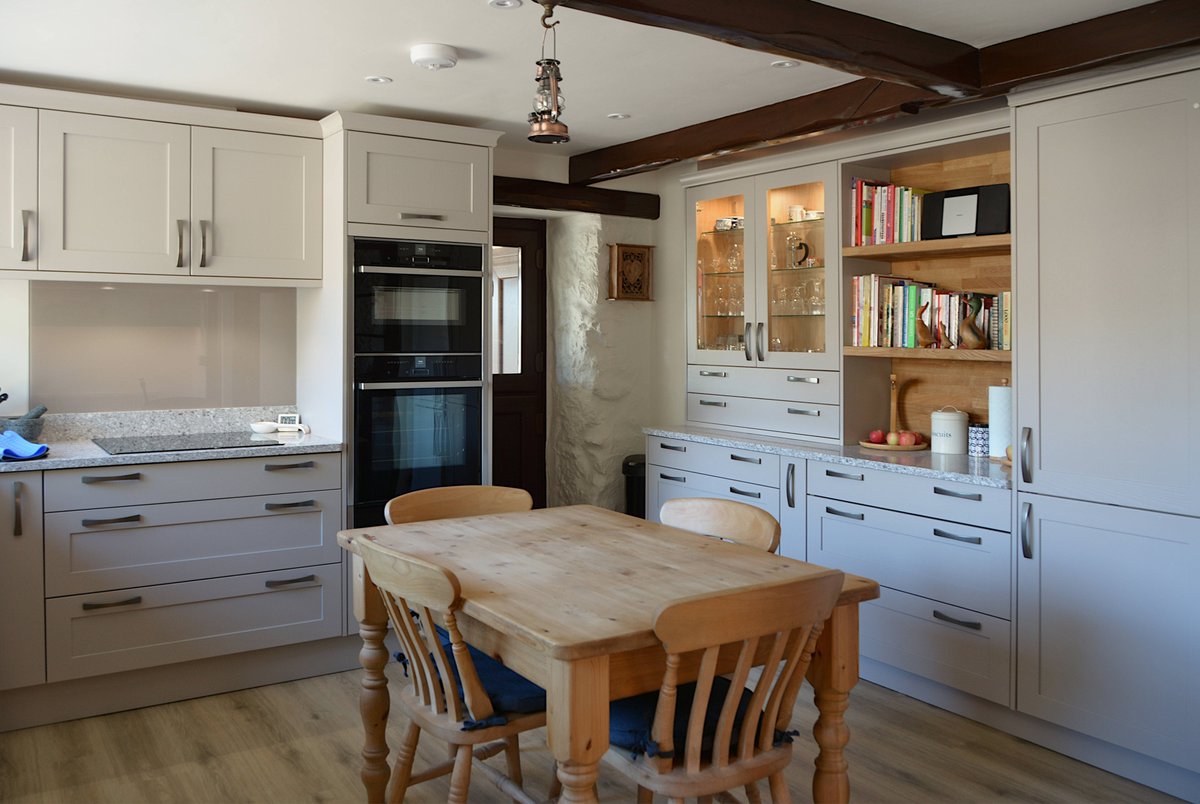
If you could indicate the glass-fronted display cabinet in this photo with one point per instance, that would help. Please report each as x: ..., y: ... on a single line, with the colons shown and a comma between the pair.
x: 765, y: 291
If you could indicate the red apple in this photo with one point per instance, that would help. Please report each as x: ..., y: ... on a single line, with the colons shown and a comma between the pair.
x: 907, y: 439
x: 876, y: 436
x: 893, y: 438
x: 920, y: 438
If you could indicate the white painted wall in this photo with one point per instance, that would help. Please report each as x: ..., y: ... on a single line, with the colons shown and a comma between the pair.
x: 14, y: 345
x: 529, y: 165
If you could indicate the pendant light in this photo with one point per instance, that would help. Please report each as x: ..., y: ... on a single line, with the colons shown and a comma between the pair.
x: 544, y: 122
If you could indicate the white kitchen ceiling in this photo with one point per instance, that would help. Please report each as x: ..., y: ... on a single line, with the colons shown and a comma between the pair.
x: 309, y: 57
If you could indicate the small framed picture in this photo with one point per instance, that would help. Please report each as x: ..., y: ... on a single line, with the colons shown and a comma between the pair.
x: 630, y: 272
x: 288, y: 419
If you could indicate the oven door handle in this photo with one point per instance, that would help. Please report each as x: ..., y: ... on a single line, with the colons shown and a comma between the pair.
x: 399, y: 386
x: 427, y: 270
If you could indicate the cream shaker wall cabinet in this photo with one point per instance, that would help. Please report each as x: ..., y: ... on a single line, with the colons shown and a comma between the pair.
x: 18, y: 188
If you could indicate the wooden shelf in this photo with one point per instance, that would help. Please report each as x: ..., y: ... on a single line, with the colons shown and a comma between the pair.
x: 986, y: 245
x: 977, y: 355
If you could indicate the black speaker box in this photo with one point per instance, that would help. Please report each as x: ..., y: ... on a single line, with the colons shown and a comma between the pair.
x: 941, y: 219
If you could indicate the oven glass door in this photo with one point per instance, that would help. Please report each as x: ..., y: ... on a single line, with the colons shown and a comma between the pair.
x: 407, y: 311
x: 408, y: 438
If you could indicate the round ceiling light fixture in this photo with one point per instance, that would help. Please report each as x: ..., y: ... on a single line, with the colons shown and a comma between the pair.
x: 504, y: 4
x: 378, y: 79
x: 785, y: 64
x: 433, y: 57
x: 617, y: 116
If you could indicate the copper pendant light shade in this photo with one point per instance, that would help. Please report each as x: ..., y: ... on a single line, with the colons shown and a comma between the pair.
x: 544, y: 123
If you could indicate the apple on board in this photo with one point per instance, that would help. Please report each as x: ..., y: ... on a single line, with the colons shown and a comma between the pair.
x: 893, y: 438
x: 907, y: 439
x: 876, y: 436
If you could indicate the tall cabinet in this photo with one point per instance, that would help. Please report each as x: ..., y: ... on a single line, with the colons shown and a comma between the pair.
x: 18, y: 187
x: 1108, y: 389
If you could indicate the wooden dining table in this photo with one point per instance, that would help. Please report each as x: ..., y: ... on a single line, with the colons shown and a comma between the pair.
x: 567, y: 597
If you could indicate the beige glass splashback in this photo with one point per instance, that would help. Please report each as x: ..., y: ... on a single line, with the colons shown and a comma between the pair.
x: 98, y: 347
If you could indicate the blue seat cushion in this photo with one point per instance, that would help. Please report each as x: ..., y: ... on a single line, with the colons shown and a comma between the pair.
x: 630, y: 719
x: 509, y: 691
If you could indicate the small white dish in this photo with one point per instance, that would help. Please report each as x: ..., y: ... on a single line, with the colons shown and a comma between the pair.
x: 264, y: 427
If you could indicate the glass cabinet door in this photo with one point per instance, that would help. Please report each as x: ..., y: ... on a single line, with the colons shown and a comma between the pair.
x: 723, y: 253
x: 798, y: 301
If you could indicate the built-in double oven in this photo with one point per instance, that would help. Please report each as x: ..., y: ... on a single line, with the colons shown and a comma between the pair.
x: 418, y: 393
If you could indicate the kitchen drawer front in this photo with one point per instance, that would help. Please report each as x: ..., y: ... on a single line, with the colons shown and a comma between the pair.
x: 669, y: 483
x: 786, y: 384
x: 178, y: 622
x: 140, y: 484
x: 89, y: 551
x: 792, y: 418
x: 955, y: 647
x: 983, y: 506
x: 969, y: 567
x: 745, y: 465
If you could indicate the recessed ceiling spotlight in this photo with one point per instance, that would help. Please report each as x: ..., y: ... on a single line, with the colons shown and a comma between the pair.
x: 504, y: 4
x: 618, y: 116
x: 785, y: 64
x: 433, y: 57
x: 378, y: 79
x: 107, y: 287
x: 208, y: 290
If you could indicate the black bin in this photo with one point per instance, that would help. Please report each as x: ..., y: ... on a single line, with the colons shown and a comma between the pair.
x: 634, y: 468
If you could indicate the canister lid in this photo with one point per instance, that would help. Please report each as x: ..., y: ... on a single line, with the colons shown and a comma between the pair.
x: 948, y: 416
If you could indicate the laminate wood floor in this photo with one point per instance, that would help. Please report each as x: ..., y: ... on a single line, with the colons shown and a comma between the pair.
x: 300, y: 742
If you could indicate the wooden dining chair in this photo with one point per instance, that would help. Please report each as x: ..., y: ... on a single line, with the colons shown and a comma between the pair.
x: 719, y: 732
x: 726, y: 519
x: 451, y: 501
x: 455, y: 692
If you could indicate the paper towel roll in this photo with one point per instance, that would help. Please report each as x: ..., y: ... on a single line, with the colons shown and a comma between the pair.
x: 1000, y: 419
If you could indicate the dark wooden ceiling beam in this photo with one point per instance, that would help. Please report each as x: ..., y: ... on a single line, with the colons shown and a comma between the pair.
x: 858, y: 102
x: 1136, y: 32
x: 812, y: 32
x: 536, y: 194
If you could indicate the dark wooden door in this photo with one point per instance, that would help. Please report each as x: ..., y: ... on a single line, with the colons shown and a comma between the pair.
x: 518, y: 356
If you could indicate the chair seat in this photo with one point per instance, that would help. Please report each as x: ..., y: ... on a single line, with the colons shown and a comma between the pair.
x: 509, y: 691
x: 631, y: 719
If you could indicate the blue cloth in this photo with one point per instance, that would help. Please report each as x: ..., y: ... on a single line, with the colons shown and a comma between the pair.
x: 15, y: 448
x: 509, y: 691
x: 630, y: 719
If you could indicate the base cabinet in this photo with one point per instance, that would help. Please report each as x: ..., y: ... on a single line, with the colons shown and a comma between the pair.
x: 676, y: 468
x: 22, y: 627
x: 1109, y: 637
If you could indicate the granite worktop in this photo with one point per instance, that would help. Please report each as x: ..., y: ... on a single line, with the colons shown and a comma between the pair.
x: 69, y: 437
x: 960, y: 468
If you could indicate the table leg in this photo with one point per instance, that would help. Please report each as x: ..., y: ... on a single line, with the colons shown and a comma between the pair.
x: 577, y: 723
x: 833, y: 673
x: 373, y: 701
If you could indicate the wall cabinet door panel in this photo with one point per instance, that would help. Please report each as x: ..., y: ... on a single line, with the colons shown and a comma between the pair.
x: 113, y: 194
x: 18, y: 188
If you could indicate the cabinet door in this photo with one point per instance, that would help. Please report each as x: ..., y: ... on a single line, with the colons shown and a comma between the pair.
x: 18, y: 188
x: 1108, y: 632
x: 721, y: 311
x: 1108, y: 256
x: 113, y: 195
x: 399, y: 180
x: 796, y: 272
x: 22, y: 623
x: 256, y: 205
x: 792, y: 525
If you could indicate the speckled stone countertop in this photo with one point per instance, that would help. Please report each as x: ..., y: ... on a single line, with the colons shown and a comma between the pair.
x: 69, y: 437
x: 961, y: 468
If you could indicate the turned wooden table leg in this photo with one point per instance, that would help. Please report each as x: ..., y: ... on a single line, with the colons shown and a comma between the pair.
x: 577, y: 724
x: 833, y: 673
x: 374, y: 701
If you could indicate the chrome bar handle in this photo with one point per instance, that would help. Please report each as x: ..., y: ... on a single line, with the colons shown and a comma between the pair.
x: 791, y: 485
x: 708, y: 403
x: 843, y: 475
x: 943, y: 534
x: 794, y: 378
x: 672, y: 447
x: 746, y: 343
x: 120, y: 520
x: 757, y: 495
x: 846, y: 514
x: 804, y: 412
x: 204, y: 243
x: 733, y: 456
x: 758, y: 340
x: 281, y: 506
x: 1027, y: 530
x: 959, y: 495
x: 127, y: 602
x: 290, y: 581
x: 1026, y: 469
x: 25, y: 216
x: 89, y: 479
x: 421, y: 216
x: 179, y: 243
x: 279, y: 467
x: 946, y: 618
x: 714, y: 374
x: 675, y: 478
x: 17, y: 488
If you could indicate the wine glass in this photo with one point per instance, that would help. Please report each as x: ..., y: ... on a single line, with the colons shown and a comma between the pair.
x: 816, y: 296
x: 734, y: 260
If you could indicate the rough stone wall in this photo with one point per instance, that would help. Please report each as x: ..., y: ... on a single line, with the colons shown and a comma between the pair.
x: 600, y: 364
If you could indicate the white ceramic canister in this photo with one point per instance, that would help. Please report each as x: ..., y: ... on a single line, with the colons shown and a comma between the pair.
x: 948, y: 431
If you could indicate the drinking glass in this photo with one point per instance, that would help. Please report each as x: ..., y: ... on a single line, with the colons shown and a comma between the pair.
x: 816, y: 296
x: 734, y: 260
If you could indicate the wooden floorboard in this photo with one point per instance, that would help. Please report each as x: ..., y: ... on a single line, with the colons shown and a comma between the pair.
x: 300, y: 742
